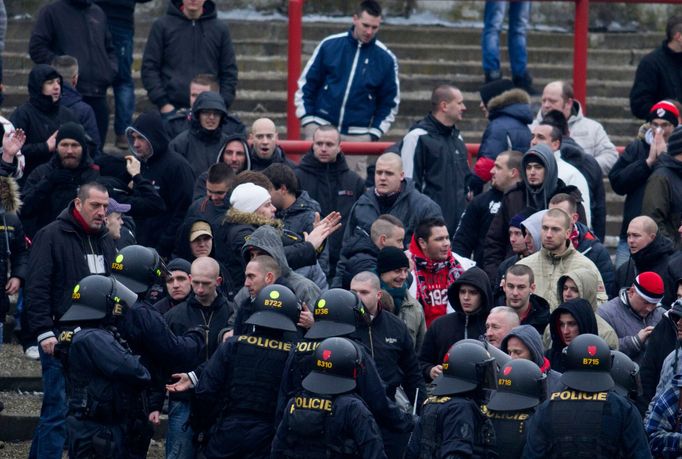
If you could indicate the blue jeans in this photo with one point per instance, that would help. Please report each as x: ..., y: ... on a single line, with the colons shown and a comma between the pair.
x: 622, y: 252
x: 493, y: 17
x: 178, y: 436
x: 50, y: 435
x: 124, y: 88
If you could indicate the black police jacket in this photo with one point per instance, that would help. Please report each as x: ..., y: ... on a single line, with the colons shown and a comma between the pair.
x: 392, y: 348
x: 104, y: 378
x: 370, y: 387
x: 308, y: 429
x: 452, y: 426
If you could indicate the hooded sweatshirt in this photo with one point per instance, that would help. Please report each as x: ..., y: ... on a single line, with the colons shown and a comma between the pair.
x: 584, y: 316
x: 39, y: 117
x: 450, y: 328
x: 587, y: 289
x: 530, y: 338
x: 432, y: 280
x: 269, y: 240
x: 533, y: 225
x: 172, y: 178
x: 538, y: 197
x: 200, y: 146
x: 200, y: 182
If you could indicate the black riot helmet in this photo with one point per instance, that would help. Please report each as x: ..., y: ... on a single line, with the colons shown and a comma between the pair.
x: 520, y: 386
x: 466, y: 367
x: 336, y: 367
x: 96, y: 297
x: 276, y: 307
x: 588, y: 364
x: 500, y: 357
x: 625, y: 374
x: 336, y: 313
x: 138, y: 268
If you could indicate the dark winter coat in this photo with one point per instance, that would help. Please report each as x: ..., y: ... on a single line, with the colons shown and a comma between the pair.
x: 359, y: 254
x: 663, y: 196
x: 654, y: 257
x: 658, y: 77
x: 57, y: 261
x: 509, y: 115
x: 278, y: 157
x: 450, y: 328
x: 120, y: 12
x: 300, y: 216
x: 661, y: 342
x: 435, y: 157
x: 474, y: 224
x: 77, y: 28
x: 335, y: 187
x: 582, y: 312
x: 201, y: 147
x: 179, y: 121
x: 50, y: 188
x: 171, y: 176
x: 13, y: 254
x: 178, y: 48
x: 39, y: 117
x: 410, y: 207
x: 72, y: 100
x: 592, y: 248
x: 143, y: 197
x: 200, y: 182
x: 573, y: 154
x: 628, y: 178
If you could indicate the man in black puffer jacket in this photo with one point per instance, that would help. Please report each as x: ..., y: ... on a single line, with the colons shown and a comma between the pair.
x: 203, y: 143
x: 171, y: 176
x: 324, y: 173
x: 51, y: 186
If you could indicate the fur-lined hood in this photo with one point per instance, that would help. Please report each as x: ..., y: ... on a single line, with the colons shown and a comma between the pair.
x: 10, y: 197
x: 250, y: 218
x: 513, y: 96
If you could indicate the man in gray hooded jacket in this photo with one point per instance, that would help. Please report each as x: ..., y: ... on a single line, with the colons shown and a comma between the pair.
x: 266, y: 240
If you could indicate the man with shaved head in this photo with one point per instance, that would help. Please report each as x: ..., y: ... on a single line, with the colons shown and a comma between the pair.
x: 649, y: 251
x: 435, y: 157
x: 391, y: 194
x: 264, y: 150
x: 205, y: 306
x: 588, y: 133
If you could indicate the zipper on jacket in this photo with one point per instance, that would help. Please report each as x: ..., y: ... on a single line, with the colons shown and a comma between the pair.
x: 466, y: 326
x: 371, y: 341
x: 342, y: 113
x: 208, y: 327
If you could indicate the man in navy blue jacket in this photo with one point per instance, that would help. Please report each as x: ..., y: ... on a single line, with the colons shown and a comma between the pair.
x: 361, y: 95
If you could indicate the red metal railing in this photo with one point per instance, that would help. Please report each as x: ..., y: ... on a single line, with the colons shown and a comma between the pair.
x: 580, y: 45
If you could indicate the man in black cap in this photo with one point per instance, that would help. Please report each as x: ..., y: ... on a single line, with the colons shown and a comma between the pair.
x: 51, y: 186
x: 393, y: 269
x: 178, y: 285
x: 587, y: 415
x: 452, y: 422
x: 520, y: 388
x: 328, y: 418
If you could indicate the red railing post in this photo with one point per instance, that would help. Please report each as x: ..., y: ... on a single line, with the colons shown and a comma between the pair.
x: 294, y: 66
x: 580, y: 45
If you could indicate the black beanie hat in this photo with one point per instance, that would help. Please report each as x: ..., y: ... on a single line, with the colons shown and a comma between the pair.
x: 391, y: 258
x: 494, y: 89
x: 179, y: 264
x: 73, y: 131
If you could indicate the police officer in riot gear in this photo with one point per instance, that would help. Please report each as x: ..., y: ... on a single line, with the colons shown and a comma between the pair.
x: 328, y: 419
x: 625, y: 374
x: 336, y: 314
x: 587, y: 419
x: 452, y: 423
x: 147, y: 333
x: 236, y: 394
x: 520, y: 388
x: 104, y: 378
